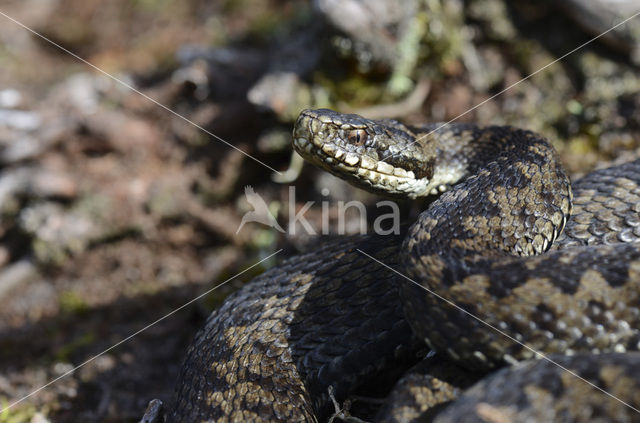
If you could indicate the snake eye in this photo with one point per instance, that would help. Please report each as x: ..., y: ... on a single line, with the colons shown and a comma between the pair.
x: 357, y: 137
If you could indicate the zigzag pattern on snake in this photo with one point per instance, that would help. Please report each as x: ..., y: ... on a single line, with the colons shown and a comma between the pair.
x: 493, y: 243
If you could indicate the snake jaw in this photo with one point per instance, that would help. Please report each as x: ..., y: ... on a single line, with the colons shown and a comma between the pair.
x: 386, y: 163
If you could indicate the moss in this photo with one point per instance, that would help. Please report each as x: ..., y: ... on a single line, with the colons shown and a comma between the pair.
x: 357, y: 89
x: 152, y: 6
x: 96, y: 206
x: 443, y: 39
x: 49, y: 253
x: 408, y: 55
x: 165, y: 200
x: 140, y: 288
x: 72, y: 303
x: 21, y: 413
x: 574, y: 107
x: 495, y: 14
x: 432, y: 46
x: 580, y: 145
x: 72, y: 32
x: 65, y: 352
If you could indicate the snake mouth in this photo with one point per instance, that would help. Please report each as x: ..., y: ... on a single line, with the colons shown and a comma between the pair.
x: 325, y: 144
x: 361, y: 169
x: 348, y: 161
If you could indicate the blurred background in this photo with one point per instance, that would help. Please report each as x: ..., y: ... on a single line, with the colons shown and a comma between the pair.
x: 113, y: 212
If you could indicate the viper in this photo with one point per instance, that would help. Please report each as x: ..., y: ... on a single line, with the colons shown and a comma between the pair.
x: 510, y: 272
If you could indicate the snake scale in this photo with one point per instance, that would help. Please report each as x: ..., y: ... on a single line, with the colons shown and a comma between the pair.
x: 508, y: 260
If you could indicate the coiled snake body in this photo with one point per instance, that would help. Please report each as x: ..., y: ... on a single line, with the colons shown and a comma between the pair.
x: 323, y: 323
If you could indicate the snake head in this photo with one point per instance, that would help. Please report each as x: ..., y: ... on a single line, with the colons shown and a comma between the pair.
x: 381, y: 156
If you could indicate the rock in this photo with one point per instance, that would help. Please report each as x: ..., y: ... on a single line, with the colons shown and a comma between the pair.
x: 377, y: 25
x: 13, y: 181
x: 39, y: 418
x: 599, y: 16
x: 154, y: 412
x: 58, y: 232
x: 281, y: 92
x: 16, y: 274
x: 10, y: 98
x: 51, y: 183
x: 19, y: 119
x: 18, y: 145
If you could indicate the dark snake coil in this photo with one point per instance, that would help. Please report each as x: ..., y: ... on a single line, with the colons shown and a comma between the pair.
x: 336, y: 319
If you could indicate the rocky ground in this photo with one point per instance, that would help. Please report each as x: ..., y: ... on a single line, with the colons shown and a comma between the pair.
x: 114, y: 212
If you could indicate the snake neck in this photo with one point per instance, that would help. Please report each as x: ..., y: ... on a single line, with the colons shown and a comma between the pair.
x: 515, y: 199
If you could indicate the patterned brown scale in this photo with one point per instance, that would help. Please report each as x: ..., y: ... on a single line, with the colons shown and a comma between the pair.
x: 493, y: 244
x: 272, y: 350
x: 535, y: 391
